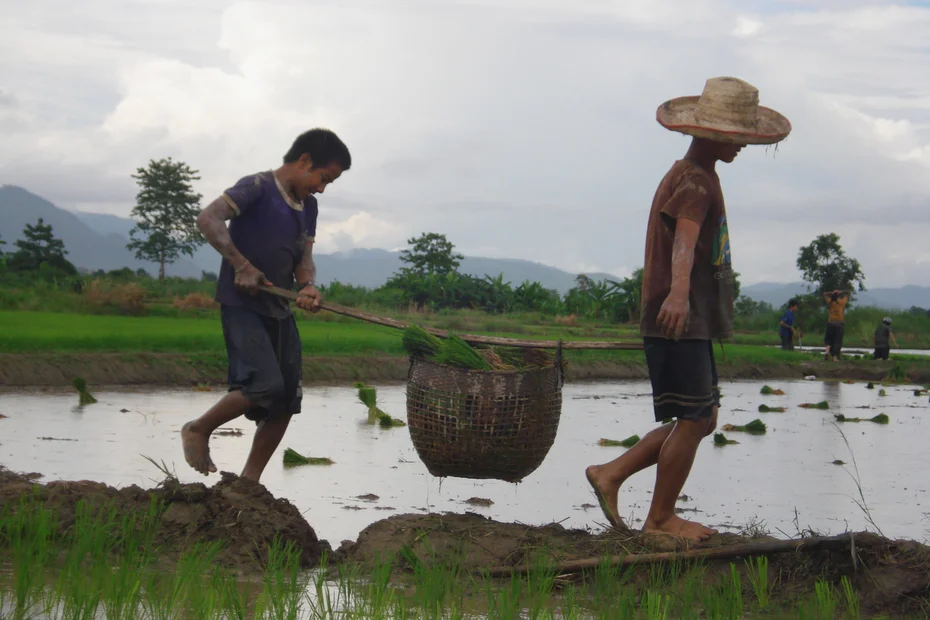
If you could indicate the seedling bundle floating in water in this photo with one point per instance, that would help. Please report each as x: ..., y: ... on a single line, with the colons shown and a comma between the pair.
x: 767, y: 409
x: 84, y: 397
x: 369, y: 397
x: 721, y: 440
x: 821, y: 405
x: 454, y: 351
x: 292, y: 458
x: 767, y: 391
x: 756, y: 427
x: 629, y: 442
x: 879, y: 419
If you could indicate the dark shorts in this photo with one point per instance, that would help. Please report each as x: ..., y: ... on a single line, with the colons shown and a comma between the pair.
x: 264, y: 361
x: 684, y: 378
x: 834, y: 337
x: 881, y: 353
x: 787, y: 342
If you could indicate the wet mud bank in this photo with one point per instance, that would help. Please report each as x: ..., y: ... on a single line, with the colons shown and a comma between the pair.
x: 242, y: 514
x: 49, y: 370
x: 892, y: 577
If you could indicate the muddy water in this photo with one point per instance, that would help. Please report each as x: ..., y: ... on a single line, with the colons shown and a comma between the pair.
x: 763, y: 478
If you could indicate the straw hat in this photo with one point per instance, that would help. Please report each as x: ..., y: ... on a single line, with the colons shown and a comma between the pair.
x: 727, y: 111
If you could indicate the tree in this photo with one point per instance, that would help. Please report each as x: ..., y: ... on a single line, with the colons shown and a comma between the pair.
x: 39, y: 245
x: 2, y: 243
x: 826, y: 267
x: 166, y: 213
x: 430, y: 253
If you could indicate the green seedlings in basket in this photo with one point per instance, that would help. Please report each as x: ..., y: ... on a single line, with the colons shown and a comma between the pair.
x: 629, y: 442
x: 721, y: 440
x: 821, y: 405
x: 418, y: 341
x: 456, y: 352
x: 767, y: 409
x: 84, y: 397
x: 756, y: 427
x: 292, y: 458
x: 879, y: 419
x: 768, y: 391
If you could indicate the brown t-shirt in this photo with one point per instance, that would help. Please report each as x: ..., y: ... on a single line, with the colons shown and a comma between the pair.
x: 689, y: 191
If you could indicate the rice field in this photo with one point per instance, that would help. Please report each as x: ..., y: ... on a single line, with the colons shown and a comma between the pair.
x: 105, y: 565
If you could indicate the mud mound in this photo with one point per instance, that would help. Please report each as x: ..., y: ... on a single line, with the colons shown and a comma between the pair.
x: 242, y: 514
x: 892, y: 577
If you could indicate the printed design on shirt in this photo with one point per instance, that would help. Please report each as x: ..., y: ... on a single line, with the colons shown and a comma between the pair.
x: 721, y: 251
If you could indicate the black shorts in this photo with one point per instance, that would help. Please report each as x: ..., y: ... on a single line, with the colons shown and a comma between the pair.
x: 881, y: 353
x: 834, y: 337
x: 264, y: 361
x: 787, y: 342
x: 684, y: 378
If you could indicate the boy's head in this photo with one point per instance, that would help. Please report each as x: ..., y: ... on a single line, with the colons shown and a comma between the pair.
x: 793, y: 305
x: 834, y: 296
x: 317, y: 158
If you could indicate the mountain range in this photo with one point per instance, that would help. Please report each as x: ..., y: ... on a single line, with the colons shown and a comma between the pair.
x: 98, y: 241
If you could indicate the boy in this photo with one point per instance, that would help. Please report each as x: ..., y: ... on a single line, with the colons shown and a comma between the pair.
x: 786, y: 326
x: 687, y: 296
x: 269, y: 241
x: 883, y: 334
x: 836, y: 323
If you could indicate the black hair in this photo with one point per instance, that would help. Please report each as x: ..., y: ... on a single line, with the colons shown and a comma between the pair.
x: 324, y: 148
x: 792, y: 302
x: 834, y: 297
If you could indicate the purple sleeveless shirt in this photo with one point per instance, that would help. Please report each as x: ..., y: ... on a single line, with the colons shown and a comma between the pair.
x: 271, y: 233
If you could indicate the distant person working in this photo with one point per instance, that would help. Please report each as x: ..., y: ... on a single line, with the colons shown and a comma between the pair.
x: 786, y: 327
x: 836, y: 323
x: 883, y: 335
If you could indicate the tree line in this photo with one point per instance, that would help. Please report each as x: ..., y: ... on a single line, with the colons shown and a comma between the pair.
x: 165, y: 229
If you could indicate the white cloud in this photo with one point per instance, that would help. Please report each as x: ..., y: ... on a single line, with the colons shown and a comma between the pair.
x: 518, y: 128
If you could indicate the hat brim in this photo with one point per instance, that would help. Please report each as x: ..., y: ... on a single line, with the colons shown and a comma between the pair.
x: 679, y: 115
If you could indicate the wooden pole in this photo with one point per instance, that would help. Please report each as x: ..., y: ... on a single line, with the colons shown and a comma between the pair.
x: 470, y: 338
x: 716, y: 553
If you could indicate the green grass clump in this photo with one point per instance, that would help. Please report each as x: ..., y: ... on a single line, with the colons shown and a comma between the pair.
x: 292, y: 458
x: 767, y: 409
x: 879, y: 419
x: 629, y: 442
x: 721, y: 440
x: 756, y: 427
x: 84, y: 397
x: 821, y: 405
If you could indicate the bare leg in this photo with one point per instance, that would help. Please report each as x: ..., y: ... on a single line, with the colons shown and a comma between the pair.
x: 195, y: 435
x: 675, y: 460
x: 606, y: 479
x: 268, y: 436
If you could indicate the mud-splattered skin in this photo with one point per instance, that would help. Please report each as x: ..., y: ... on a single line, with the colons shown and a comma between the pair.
x: 673, y: 315
x: 212, y: 223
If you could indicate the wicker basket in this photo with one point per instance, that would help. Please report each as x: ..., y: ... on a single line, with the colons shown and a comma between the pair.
x: 483, y: 424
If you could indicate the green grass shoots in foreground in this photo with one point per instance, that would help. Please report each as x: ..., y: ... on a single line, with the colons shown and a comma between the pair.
x: 106, y: 565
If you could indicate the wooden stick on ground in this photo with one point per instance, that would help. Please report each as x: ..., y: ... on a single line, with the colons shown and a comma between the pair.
x: 716, y: 553
x: 470, y: 338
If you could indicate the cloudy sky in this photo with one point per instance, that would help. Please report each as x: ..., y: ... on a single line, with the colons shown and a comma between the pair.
x: 519, y: 128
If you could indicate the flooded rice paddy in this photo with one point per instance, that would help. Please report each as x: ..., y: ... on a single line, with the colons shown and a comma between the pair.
x: 785, y: 480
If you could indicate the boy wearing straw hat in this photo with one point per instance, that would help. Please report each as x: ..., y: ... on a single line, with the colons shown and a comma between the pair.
x: 687, y: 296
x: 269, y: 241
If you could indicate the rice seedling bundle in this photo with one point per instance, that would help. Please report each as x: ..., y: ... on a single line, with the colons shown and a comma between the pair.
x: 879, y: 419
x: 293, y: 458
x: 756, y: 427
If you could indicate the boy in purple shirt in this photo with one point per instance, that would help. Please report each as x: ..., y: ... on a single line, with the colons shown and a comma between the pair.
x: 268, y: 241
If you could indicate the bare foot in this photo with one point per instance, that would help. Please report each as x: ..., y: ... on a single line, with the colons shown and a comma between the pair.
x: 676, y: 526
x: 197, y: 450
x: 606, y: 494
